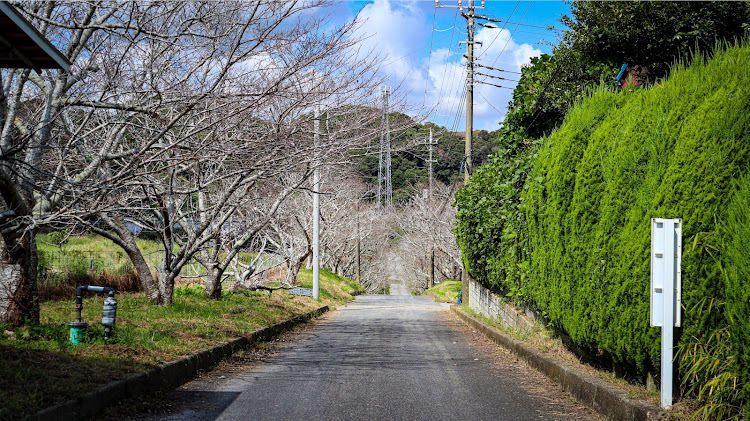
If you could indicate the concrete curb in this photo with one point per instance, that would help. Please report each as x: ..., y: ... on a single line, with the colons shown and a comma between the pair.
x: 169, y: 375
x: 605, y: 399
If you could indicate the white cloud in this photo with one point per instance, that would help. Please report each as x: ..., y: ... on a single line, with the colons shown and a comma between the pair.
x: 398, y: 30
x: 395, y: 30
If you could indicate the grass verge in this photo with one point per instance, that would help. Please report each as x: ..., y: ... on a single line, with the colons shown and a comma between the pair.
x: 38, y: 367
x: 444, y: 292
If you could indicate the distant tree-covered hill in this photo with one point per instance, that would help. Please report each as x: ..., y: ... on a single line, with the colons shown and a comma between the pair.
x: 410, y: 154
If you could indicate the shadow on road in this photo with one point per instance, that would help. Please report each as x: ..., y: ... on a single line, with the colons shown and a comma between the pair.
x: 200, y: 405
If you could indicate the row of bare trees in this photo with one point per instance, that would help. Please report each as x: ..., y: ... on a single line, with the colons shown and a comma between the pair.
x: 192, y: 120
x: 426, y: 226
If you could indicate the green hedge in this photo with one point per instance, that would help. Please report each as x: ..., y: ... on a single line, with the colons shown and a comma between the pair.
x: 736, y: 235
x: 621, y: 158
x: 491, y: 226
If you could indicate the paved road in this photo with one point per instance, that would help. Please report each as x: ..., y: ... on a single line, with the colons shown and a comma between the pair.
x: 379, y: 358
x: 399, y: 289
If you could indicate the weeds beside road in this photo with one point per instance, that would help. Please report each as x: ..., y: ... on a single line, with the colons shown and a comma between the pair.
x: 38, y: 366
x: 444, y: 292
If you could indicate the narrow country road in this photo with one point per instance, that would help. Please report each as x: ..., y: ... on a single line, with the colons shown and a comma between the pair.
x: 379, y: 358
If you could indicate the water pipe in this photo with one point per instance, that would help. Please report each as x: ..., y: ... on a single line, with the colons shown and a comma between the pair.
x: 619, y: 75
x: 109, y: 313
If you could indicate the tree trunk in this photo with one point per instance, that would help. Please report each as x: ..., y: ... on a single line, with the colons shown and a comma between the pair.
x: 143, y: 271
x: 166, y: 286
x: 214, y: 273
x: 125, y: 239
x: 18, y: 288
x: 294, y: 267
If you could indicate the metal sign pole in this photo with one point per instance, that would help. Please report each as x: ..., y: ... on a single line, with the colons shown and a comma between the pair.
x: 666, y: 258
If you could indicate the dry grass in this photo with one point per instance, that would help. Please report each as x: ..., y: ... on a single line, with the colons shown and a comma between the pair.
x: 65, y: 289
x: 546, y: 342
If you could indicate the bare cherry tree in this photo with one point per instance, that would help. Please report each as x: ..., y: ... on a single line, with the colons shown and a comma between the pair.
x: 124, y: 137
x: 427, y: 225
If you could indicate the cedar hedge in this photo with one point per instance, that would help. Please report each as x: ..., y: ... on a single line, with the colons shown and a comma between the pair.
x: 565, y: 225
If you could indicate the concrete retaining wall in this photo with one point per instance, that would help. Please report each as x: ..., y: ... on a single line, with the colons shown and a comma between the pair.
x: 169, y: 375
x: 489, y: 304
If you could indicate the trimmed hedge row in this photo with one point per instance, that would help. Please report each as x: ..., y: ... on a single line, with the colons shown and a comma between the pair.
x: 736, y: 236
x: 581, y: 235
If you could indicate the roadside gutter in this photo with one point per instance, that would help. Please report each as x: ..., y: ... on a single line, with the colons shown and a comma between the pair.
x: 610, y: 401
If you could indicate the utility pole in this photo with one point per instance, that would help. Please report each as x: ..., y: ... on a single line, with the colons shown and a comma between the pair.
x: 469, y: 92
x: 384, y: 162
x: 316, y: 208
x: 429, y: 206
x: 469, y: 106
x: 359, y: 280
x: 429, y: 195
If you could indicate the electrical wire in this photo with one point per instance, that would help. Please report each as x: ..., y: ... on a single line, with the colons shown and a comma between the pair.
x: 411, y: 53
x: 509, y: 38
x: 486, y: 49
x: 445, y: 70
x: 490, y: 104
x: 429, y: 56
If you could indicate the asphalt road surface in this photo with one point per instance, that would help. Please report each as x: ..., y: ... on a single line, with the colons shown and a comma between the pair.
x: 379, y: 358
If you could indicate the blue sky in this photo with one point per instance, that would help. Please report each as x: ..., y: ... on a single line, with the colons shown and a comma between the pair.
x: 423, y: 56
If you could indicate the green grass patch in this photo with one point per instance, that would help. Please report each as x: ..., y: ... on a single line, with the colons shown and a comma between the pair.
x: 38, y: 367
x: 444, y: 292
x: 79, y: 256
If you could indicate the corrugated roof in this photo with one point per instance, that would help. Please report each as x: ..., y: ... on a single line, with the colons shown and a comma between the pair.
x: 22, y: 46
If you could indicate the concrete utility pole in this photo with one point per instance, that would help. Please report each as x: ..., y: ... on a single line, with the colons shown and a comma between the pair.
x: 359, y: 251
x: 429, y: 206
x: 469, y: 108
x: 469, y: 92
x: 316, y: 208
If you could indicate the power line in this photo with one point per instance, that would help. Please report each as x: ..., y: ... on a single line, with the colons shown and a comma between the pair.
x: 492, y: 84
x: 496, y: 69
x: 518, y: 24
x: 495, y: 77
x: 411, y: 53
x: 429, y: 57
x: 445, y: 70
x: 490, y: 104
x: 500, y: 31
x: 509, y: 38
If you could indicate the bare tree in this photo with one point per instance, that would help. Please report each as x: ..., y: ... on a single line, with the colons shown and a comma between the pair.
x: 125, y: 137
x: 427, y: 225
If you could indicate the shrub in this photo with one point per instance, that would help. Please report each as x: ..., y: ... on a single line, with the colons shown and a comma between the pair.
x: 672, y: 151
x: 736, y: 235
x: 582, y: 234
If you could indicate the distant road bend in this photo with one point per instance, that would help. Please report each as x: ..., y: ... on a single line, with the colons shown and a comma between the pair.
x: 397, y: 357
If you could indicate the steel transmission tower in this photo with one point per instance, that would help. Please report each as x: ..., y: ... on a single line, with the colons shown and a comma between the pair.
x: 385, y: 187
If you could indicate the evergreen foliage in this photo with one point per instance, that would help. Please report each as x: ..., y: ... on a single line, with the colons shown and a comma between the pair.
x: 603, y: 35
x: 736, y: 235
x: 573, y: 236
x: 409, y: 158
x: 673, y: 151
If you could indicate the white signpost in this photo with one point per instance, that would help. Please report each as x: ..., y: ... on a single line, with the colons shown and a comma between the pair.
x: 666, y: 293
